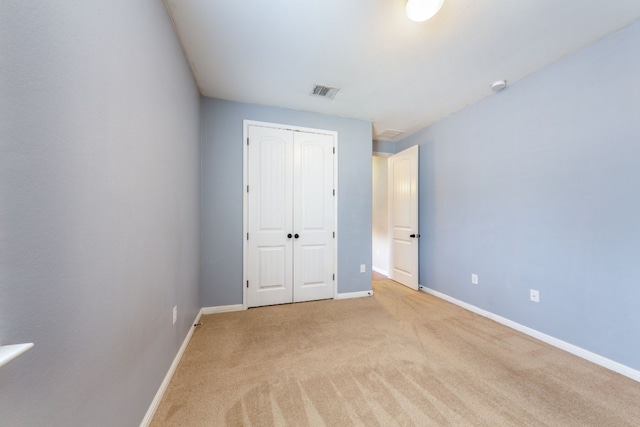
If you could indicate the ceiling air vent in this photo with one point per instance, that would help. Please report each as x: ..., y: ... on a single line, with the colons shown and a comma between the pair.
x: 324, y: 91
x: 390, y: 134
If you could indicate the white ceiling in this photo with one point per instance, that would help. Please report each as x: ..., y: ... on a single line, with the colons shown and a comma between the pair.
x: 390, y: 70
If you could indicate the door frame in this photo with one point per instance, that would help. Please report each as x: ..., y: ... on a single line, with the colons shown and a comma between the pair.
x: 245, y: 196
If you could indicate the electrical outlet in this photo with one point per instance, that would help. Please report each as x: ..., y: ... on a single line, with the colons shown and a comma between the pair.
x: 534, y: 295
x: 363, y: 268
x: 175, y: 314
x: 474, y: 279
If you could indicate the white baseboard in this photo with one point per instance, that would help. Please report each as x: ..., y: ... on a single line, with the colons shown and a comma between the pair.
x: 381, y: 271
x: 146, y: 421
x: 360, y: 294
x: 222, y: 309
x: 563, y: 345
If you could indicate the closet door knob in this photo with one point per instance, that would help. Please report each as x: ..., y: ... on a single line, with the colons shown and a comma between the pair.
x: 413, y: 236
x: 289, y: 235
x: 296, y: 235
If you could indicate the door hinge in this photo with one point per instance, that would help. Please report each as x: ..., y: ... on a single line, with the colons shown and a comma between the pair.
x: 247, y: 141
x: 334, y: 277
x: 247, y: 283
x: 334, y: 234
x: 334, y: 150
x: 247, y: 188
x: 334, y: 192
x: 247, y: 236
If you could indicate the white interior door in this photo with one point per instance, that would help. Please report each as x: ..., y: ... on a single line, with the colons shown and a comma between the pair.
x: 313, y: 217
x: 270, y: 217
x: 290, y: 216
x: 403, y: 217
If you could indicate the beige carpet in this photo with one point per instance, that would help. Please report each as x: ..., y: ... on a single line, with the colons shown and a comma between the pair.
x: 399, y: 358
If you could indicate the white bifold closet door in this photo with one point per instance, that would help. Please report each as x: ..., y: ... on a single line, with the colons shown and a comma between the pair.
x: 291, y: 216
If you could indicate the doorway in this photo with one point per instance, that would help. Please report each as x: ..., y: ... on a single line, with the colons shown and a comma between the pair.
x: 379, y: 215
x: 395, y: 232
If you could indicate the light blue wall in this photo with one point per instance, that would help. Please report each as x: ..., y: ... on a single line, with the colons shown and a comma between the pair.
x: 538, y: 187
x: 222, y: 163
x: 384, y: 146
x: 99, y: 208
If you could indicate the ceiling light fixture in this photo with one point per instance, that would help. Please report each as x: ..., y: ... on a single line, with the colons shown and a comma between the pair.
x: 421, y: 10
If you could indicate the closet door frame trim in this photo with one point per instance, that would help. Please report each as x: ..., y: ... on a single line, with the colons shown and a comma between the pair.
x: 245, y: 195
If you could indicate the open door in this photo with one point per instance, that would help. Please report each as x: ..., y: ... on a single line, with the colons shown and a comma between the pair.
x: 403, y: 217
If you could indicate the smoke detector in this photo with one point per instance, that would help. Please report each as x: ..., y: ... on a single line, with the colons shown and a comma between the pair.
x: 498, y: 85
x: 324, y: 91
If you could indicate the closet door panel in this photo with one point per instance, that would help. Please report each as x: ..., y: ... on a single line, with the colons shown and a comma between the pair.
x: 313, y: 217
x: 270, y: 217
